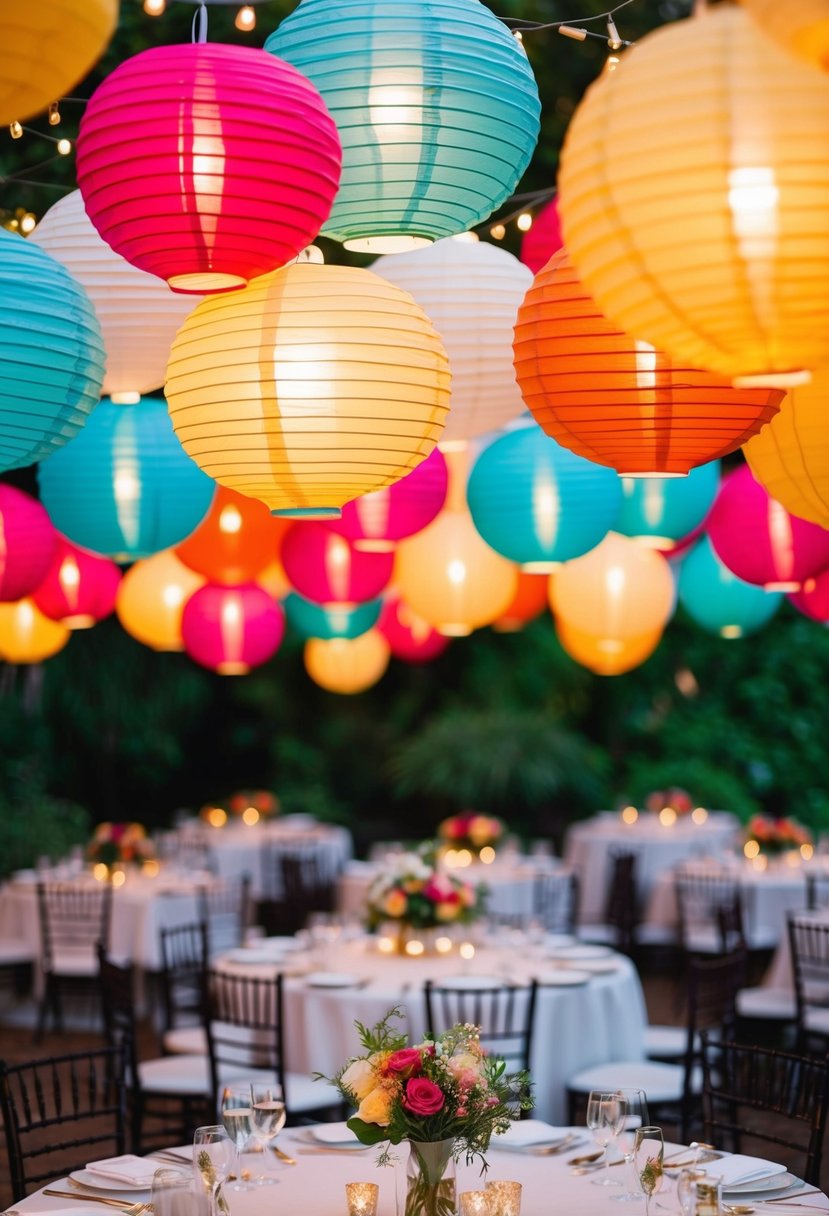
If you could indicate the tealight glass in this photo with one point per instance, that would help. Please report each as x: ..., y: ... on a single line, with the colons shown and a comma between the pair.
x: 474, y: 1203
x: 504, y: 1197
x: 361, y: 1198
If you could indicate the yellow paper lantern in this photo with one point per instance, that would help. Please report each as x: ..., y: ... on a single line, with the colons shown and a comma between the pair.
x: 620, y: 589
x: 151, y: 599
x: 347, y: 665
x: 694, y: 194
x: 790, y: 456
x: 308, y: 387
x: 607, y: 656
x: 46, y: 48
x: 802, y: 29
x: 27, y: 635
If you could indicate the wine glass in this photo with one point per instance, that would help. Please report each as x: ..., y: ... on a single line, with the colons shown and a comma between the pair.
x: 267, y: 1109
x: 649, y: 1154
x: 605, y: 1117
x: 213, y: 1154
x: 636, y: 1115
x: 236, y: 1116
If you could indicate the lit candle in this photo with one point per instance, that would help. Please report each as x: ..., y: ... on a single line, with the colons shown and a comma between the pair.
x: 699, y: 814
x: 630, y: 814
x: 466, y: 950
x: 361, y: 1198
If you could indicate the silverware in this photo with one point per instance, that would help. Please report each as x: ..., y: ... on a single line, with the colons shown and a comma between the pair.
x: 129, y: 1209
x: 282, y: 1155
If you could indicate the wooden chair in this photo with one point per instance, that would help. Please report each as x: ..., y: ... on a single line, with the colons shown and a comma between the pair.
x: 740, y: 1081
x: 809, y: 945
x: 74, y: 917
x: 295, y: 883
x: 225, y: 907
x: 817, y: 890
x: 556, y: 900
x: 703, y: 891
x: 184, y: 959
x: 58, y: 1113
x: 504, y: 1012
x: 621, y: 909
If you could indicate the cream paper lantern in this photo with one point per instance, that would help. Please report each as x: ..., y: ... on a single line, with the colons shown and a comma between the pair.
x: 151, y: 599
x: 347, y: 665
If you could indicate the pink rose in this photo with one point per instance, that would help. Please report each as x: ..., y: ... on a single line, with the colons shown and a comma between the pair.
x: 405, y: 1062
x: 440, y: 890
x: 423, y: 1097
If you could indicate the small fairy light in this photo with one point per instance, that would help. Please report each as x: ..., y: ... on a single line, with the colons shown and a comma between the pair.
x: 414, y: 947
x: 464, y: 858
x: 612, y: 63
x: 807, y: 851
x: 64, y: 146
x: 154, y: 8
x: 54, y: 114
x: 250, y: 816
x: 524, y: 222
x: 466, y: 950
x: 699, y: 814
x: 629, y: 814
x: 245, y: 19
x: 487, y: 855
x: 119, y: 878
x: 100, y: 872
x: 385, y: 945
x: 150, y: 868
x: 751, y: 849
x: 443, y: 945
x: 497, y: 232
x: 613, y: 40
x: 217, y: 817
x: 518, y: 36
x: 15, y: 130
x: 27, y: 223
x: 667, y: 816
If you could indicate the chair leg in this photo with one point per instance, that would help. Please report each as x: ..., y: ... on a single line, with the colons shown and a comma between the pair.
x: 137, y: 1121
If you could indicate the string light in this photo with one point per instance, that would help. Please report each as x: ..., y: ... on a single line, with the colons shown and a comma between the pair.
x: 154, y: 8
x: 569, y: 32
x: 245, y: 19
x: 613, y: 40
x: 498, y: 232
x: 15, y: 130
x: 54, y: 114
x: 64, y: 146
x: 524, y: 222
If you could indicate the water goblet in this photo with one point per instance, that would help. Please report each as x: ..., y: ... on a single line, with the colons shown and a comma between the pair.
x: 213, y: 1153
x: 236, y: 1116
x: 605, y: 1116
x: 267, y: 1111
x: 636, y: 1115
x: 649, y: 1155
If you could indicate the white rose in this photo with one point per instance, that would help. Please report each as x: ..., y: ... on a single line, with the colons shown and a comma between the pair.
x: 359, y: 1078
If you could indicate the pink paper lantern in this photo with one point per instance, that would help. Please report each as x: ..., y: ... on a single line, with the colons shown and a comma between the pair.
x: 543, y: 239
x: 79, y: 588
x: 813, y: 598
x: 375, y: 521
x: 759, y: 541
x: 410, y: 638
x: 327, y: 568
x: 27, y: 543
x: 232, y: 629
x: 207, y: 164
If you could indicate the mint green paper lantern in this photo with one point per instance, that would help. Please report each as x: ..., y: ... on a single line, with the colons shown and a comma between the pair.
x: 663, y: 510
x: 717, y: 600
x: 436, y: 106
x: 329, y: 621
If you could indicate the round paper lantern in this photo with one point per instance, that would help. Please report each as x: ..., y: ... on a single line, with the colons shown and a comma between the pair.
x: 327, y: 568
x: 274, y: 579
x: 312, y: 620
x: 538, y: 504
x: 51, y: 354
x: 607, y: 656
x: 471, y: 291
x: 790, y: 456
x: 79, y: 588
x: 138, y: 314
x: 660, y: 511
x: 376, y: 521
x: 27, y: 543
x: 46, y: 48
x: 618, y: 590
x: 813, y: 597
x: 347, y: 665
x: 309, y: 387
x: 618, y: 401
x: 235, y: 541
x: 759, y: 541
x: 717, y: 600
x: 804, y: 30
x: 151, y: 599
x: 231, y: 629
x: 694, y: 191
x: 230, y: 172
x: 437, y: 109
x: 529, y: 601
x: 124, y: 487
x: 27, y: 636
x: 543, y: 239
x: 409, y: 636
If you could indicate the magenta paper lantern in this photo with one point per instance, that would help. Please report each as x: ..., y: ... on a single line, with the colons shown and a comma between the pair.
x: 327, y: 568
x: 232, y: 629
x: 543, y: 239
x: 409, y: 636
x: 207, y: 164
x: 813, y: 598
x: 79, y: 588
x: 377, y: 520
x: 759, y: 541
x: 27, y: 543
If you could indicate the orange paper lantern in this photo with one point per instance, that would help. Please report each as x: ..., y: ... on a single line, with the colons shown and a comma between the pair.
x: 27, y: 635
x: 620, y: 589
x: 802, y: 29
x: 790, y: 456
x: 151, y: 599
x: 607, y: 656
x: 235, y: 542
x: 529, y: 601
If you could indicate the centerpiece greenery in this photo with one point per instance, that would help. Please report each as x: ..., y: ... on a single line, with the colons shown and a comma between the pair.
x: 412, y: 892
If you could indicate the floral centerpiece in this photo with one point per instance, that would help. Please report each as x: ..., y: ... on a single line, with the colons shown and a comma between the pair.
x: 413, y: 893
x: 248, y: 805
x: 675, y: 799
x: 445, y: 1096
x: 471, y: 831
x: 119, y: 843
x: 771, y: 835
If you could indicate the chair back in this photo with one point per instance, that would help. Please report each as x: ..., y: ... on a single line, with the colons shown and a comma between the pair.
x: 184, y: 954
x: 244, y: 1027
x: 701, y: 890
x: 556, y: 900
x: 817, y: 890
x: 731, y: 926
x: 505, y: 1014
x: 809, y: 945
x: 58, y: 1113
x: 74, y: 917
x: 622, y: 904
x: 296, y: 881
x: 224, y: 907
x: 117, y: 990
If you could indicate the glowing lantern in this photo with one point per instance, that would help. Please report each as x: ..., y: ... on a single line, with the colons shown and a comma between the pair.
x: 46, y: 48
x: 231, y: 629
x: 804, y: 30
x: 618, y: 401
x: 151, y: 599
x: 471, y: 291
x: 235, y: 541
x: 410, y: 637
x: 27, y: 636
x: 607, y: 656
x: 618, y: 590
x: 274, y: 579
x: 529, y: 601
x: 347, y: 665
x: 697, y: 245
x: 538, y: 504
x: 312, y: 620
x: 437, y: 109
x: 309, y: 387
x: 759, y: 541
x: 543, y: 239
x: 79, y: 588
x: 27, y: 543
x: 717, y: 600
x: 51, y: 354
x: 790, y: 456
x: 327, y: 568
x: 375, y: 521
x: 659, y: 511
x: 124, y: 487
x: 229, y: 174
x: 137, y: 312
x: 813, y: 597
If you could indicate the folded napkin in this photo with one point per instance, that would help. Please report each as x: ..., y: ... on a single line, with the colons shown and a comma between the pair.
x: 529, y: 1132
x: 132, y: 1170
x: 736, y: 1169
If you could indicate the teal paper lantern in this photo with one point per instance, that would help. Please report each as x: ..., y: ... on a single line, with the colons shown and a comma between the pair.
x: 663, y: 510
x: 125, y: 487
x: 329, y: 621
x: 539, y: 504
x: 717, y: 600
x: 436, y: 106
x: 51, y: 354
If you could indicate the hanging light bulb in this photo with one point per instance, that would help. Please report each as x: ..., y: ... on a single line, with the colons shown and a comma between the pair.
x: 64, y: 147
x: 524, y: 221
x: 54, y: 114
x: 154, y: 8
x: 245, y: 18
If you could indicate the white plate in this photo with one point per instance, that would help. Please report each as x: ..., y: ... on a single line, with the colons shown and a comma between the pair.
x: 331, y: 979
x: 563, y: 979
x: 339, y: 1134
x: 598, y: 966
x: 470, y: 983
x: 578, y: 953
x: 558, y: 941
x: 775, y: 1182
x: 247, y: 954
x: 99, y: 1183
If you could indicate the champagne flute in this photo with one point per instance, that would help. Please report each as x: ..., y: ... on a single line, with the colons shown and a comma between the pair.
x: 649, y: 1154
x: 636, y: 1115
x: 236, y: 1116
x: 605, y: 1115
x: 267, y: 1107
x: 213, y: 1154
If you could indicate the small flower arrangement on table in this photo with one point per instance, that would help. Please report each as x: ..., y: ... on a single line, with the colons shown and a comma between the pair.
x: 120, y: 843
x: 249, y: 806
x: 413, y: 893
x: 769, y: 835
x: 675, y: 799
x: 471, y: 831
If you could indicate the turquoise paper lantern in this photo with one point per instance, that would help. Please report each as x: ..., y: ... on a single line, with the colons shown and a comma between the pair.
x: 51, y: 354
x: 329, y: 621
x: 662, y: 510
x: 539, y: 504
x: 720, y: 602
x: 436, y: 106
x: 125, y: 487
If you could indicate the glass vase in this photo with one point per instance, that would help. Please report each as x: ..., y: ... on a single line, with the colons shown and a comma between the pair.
x: 430, y: 1179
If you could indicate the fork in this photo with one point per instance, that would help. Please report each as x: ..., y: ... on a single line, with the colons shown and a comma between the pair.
x: 129, y: 1209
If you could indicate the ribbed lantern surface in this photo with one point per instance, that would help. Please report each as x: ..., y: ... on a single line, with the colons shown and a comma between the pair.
x: 27, y: 543
x: 802, y: 29
x: 790, y: 456
x: 717, y: 600
x: 79, y: 588
x: 311, y: 620
x: 232, y: 629
x: 151, y: 599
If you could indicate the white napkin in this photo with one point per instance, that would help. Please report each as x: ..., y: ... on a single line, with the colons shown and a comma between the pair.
x: 134, y: 1171
x: 528, y: 1132
x: 736, y: 1169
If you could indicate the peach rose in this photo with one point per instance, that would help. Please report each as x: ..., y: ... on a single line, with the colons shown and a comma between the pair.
x: 376, y: 1107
